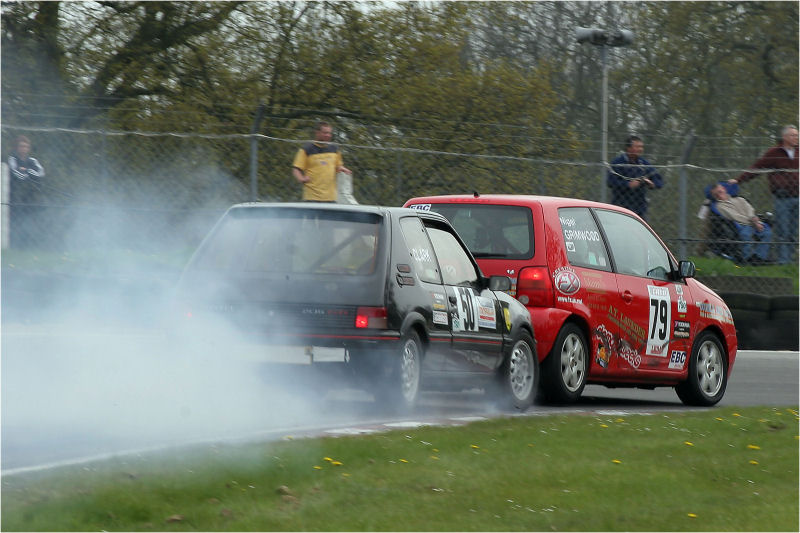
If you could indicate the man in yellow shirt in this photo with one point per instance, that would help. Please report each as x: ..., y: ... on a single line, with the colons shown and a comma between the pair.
x: 316, y: 165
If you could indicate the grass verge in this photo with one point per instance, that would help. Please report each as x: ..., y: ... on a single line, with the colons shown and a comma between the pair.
x: 720, y: 470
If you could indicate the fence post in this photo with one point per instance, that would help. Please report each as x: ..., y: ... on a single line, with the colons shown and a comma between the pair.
x: 254, y: 153
x: 687, y: 151
x: 5, y: 197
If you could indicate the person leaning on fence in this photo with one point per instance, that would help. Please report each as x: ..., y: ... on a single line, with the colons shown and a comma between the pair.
x: 631, y: 176
x: 26, y: 174
x: 742, y: 217
x: 316, y: 165
x: 782, y: 161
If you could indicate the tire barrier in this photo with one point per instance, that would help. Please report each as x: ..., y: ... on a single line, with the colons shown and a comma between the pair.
x: 765, y: 322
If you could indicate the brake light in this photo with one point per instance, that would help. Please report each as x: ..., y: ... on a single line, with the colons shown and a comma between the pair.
x: 371, y: 317
x: 534, y: 287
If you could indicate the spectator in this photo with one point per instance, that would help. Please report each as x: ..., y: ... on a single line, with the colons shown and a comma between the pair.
x: 20, y: 162
x: 316, y: 165
x: 631, y: 176
x: 26, y: 174
x: 743, y: 216
x: 782, y: 161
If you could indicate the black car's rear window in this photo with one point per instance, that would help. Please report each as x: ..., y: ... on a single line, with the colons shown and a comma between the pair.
x: 492, y: 231
x: 300, y: 241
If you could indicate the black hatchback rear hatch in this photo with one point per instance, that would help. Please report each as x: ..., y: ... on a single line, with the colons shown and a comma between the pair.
x: 273, y: 270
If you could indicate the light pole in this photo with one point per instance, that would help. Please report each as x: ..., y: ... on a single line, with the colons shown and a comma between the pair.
x: 604, y: 39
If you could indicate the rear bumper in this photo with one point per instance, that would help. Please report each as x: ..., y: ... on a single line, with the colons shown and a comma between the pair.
x: 294, y: 347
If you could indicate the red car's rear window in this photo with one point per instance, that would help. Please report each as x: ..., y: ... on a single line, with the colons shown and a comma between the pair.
x: 492, y: 231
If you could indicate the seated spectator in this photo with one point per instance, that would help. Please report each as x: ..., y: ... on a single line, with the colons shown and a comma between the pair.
x: 743, y: 218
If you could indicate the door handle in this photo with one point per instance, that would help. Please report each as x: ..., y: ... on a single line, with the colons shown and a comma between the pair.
x: 627, y: 296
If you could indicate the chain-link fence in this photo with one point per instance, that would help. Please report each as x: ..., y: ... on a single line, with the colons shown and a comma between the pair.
x: 158, y: 193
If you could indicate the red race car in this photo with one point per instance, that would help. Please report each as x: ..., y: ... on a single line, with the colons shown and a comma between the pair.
x: 608, y: 301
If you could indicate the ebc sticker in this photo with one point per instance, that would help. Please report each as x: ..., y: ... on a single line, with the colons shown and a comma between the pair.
x: 659, y: 321
x: 421, y: 207
x: 465, y: 312
x: 677, y: 359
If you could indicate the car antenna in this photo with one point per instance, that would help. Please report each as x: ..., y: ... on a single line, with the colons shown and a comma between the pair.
x: 475, y: 194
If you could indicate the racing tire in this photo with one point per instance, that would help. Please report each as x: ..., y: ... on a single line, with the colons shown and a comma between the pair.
x: 401, y: 384
x: 708, y: 372
x: 566, y: 368
x: 518, y: 376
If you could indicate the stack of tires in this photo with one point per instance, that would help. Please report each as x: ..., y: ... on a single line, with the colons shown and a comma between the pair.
x: 764, y: 322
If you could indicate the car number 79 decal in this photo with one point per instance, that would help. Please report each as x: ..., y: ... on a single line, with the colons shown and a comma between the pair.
x: 660, y: 320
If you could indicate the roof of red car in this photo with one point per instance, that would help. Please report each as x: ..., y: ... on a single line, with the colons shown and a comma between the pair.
x: 513, y: 199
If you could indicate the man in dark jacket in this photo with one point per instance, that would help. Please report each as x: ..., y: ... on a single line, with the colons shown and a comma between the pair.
x: 631, y: 176
x: 781, y: 161
x: 26, y: 174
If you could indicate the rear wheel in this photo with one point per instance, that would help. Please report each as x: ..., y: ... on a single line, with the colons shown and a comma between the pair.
x: 401, y: 384
x: 708, y: 372
x: 519, y: 374
x: 566, y: 368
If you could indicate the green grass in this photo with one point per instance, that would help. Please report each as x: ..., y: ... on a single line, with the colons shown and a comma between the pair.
x: 717, y: 266
x: 720, y: 470
x: 92, y: 261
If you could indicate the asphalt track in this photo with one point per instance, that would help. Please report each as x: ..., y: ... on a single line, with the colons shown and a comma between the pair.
x: 69, y: 398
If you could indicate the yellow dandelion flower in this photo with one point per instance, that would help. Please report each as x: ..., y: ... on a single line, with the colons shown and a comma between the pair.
x: 620, y: 420
x: 616, y: 461
x: 736, y: 414
x: 317, y: 467
x: 753, y: 462
x: 336, y: 463
x: 720, y: 419
x: 753, y: 447
x: 691, y: 515
x: 434, y: 458
x: 436, y: 450
x: 530, y: 445
x: 327, y: 459
x: 345, y: 474
x: 688, y: 443
x: 403, y: 461
x: 603, y: 426
x: 475, y: 446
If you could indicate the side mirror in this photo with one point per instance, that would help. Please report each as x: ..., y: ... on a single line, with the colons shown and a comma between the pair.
x: 686, y: 269
x: 500, y: 283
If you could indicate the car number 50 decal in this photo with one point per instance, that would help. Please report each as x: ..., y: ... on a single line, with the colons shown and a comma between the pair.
x: 659, y: 323
x: 466, y: 310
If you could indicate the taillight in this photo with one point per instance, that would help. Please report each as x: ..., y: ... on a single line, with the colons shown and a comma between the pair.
x: 371, y: 317
x: 534, y: 287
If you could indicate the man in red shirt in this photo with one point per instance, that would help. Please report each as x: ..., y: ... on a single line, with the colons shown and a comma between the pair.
x: 781, y: 160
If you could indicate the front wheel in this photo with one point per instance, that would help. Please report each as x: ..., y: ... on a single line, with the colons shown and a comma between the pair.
x: 566, y: 368
x: 519, y: 374
x: 708, y: 373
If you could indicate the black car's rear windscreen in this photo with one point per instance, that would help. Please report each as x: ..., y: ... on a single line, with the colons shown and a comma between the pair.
x: 297, y: 241
x: 492, y: 231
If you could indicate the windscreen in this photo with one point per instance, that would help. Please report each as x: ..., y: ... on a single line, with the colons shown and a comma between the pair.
x: 492, y: 231
x: 297, y: 241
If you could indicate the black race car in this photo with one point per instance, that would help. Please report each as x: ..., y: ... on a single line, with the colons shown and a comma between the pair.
x: 395, y: 288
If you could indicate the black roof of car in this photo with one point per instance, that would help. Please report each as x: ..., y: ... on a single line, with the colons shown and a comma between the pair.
x: 357, y: 208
